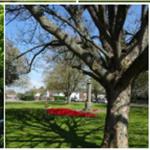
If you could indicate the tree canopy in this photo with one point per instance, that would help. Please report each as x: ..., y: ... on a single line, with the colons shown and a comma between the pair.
x: 64, y: 79
x: 114, y: 46
x: 14, y: 67
x: 140, y: 88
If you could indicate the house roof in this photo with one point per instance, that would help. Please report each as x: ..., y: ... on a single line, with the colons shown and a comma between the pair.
x: 10, y: 92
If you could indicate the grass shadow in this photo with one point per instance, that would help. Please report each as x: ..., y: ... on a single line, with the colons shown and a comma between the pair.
x: 34, y: 128
x: 30, y: 128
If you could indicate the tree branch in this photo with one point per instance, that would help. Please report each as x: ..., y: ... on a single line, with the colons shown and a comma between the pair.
x: 67, y: 40
x: 100, y: 25
x: 91, y: 74
x: 82, y: 33
x: 53, y: 43
x: 34, y: 57
x: 139, y: 65
x: 137, y: 38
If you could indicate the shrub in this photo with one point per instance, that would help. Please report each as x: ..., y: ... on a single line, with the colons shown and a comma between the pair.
x: 28, y: 96
x: 59, y: 97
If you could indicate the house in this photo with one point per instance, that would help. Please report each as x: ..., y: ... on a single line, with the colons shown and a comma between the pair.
x: 78, y: 96
x: 37, y: 96
x: 11, y: 95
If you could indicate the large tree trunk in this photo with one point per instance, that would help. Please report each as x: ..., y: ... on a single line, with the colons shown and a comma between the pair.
x: 116, y: 125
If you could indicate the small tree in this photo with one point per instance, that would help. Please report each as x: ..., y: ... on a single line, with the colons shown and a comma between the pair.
x: 27, y: 96
x: 14, y: 68
x: 65, y: 79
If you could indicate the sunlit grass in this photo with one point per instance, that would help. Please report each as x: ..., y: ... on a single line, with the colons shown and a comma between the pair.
x: 28, y: 125
x: 138, y: 127
x: 42, y: 104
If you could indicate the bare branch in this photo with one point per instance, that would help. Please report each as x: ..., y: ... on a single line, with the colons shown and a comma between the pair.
x: 34, y: 57
x: 101, y: 26
x: 16, y: 15
x: 91, y: 74
x: 70, y: 42
x: 81, y: 33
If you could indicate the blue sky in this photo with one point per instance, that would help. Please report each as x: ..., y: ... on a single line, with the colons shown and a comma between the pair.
x: 14, y: 32
x: 17, y: 29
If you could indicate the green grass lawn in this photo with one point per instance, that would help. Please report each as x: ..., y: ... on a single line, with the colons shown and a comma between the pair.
x: 38, y: 104
x: 28, y: 125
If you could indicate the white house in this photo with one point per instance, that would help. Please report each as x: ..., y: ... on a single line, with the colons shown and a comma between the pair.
x: 37, y: 96
x: 78, y: 96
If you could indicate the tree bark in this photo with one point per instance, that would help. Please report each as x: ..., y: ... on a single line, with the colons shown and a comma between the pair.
x: 116, y: 124
x: 68, y: 99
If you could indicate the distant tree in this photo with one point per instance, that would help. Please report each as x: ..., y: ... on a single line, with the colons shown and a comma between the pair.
x: 27, y: 96
x: 140, y: 88
x: 14, y: 68
x: 97, y: 88
x: 64, y: 79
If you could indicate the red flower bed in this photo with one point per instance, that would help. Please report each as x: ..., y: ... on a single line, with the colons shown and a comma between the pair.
x: 69, y: 112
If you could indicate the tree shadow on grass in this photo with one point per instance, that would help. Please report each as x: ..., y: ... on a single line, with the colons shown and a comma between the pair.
x: 34, y: 128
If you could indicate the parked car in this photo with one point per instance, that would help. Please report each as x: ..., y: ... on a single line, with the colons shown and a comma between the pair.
x: 75, y: 99
x: 100, y: 100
